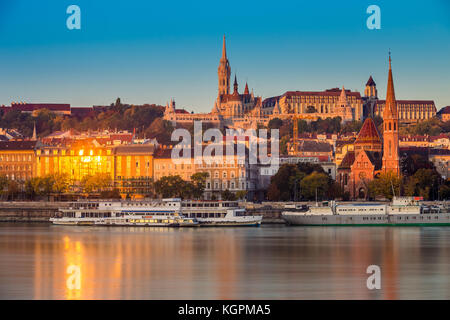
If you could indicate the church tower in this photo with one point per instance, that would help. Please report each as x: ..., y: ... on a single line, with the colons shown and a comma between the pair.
x: 224, y: 72
x: 390, y: 129
x: 371, y: 89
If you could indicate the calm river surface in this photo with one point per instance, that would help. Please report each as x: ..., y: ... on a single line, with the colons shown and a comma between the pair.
x: 40, y: 261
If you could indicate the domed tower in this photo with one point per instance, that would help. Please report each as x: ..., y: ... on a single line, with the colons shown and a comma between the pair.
x: 391, y: 161
x: 224, y: 72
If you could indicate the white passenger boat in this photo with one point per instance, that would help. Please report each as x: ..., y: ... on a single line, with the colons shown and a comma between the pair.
x: 167, y: 212
x: 219, y: 213
x: 164, y: 213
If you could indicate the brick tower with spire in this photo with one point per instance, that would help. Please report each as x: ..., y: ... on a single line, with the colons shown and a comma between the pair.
x: 391, y: 162
x: 224, y: 72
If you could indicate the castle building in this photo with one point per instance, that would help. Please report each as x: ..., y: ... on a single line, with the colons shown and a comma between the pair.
x: 409, y: 111
x: 312, y: 105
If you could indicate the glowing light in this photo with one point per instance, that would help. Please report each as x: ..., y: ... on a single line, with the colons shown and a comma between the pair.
x: 81, y: 152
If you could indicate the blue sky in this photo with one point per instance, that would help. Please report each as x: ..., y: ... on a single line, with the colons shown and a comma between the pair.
x: 152, y: 51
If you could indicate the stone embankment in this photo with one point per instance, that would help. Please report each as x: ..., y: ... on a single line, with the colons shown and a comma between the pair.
x: 32, y: 211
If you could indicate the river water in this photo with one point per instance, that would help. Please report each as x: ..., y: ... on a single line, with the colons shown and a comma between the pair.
x: 43, y: 261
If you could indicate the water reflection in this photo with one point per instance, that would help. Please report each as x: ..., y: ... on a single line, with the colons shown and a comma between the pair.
x: 60, y: 262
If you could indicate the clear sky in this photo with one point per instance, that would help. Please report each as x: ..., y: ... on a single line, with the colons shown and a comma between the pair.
x: 152, y: 51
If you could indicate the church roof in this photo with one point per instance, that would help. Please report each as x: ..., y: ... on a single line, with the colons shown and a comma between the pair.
x: 348, y: 160
x: 370, y: 82
x: 368, y: 133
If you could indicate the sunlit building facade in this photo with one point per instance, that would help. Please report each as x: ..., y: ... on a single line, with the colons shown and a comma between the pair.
x: 17, y: 160
x: 75, y: 161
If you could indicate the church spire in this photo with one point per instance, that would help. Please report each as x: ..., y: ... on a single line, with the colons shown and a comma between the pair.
x: 34, y: 138
x: 390, y: 109
x: 235, y: 85
x: 224, y: 72
x: 224, y: 49
x: 391, y: 159
x: 246, y: 89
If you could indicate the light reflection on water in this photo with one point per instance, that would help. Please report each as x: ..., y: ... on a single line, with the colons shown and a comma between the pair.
x: 271, y: 262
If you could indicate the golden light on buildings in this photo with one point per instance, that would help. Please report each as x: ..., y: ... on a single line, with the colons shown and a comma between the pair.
x: 81, y: 152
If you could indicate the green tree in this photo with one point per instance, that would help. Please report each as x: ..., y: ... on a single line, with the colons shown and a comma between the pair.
x: 227, y: 195
x: 424, y: 183
x: 384, y: 184
x: 96, y: 183
x: 315, y: 183
x: 60, y: 183
x: 198, y: 184
x: 241, y: 194
x: 13, y: 189
x: 170, y: 186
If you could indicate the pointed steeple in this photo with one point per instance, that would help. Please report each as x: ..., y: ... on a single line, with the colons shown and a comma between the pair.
x: 276, y: 109
x: 391, y: 162
x: 390, y: 109
x: 246, y: 89
x: 235, y: 85
x: 343, y: 98
x: 224, y: 49
x: 370, y: 82
x: 224, y: 72
x: 34, y: 138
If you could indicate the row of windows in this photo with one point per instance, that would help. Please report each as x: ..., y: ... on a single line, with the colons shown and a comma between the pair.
x: 16, y: 167
x: 13, y: 157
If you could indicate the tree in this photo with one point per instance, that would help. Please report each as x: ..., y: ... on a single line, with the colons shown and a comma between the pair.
x: 414, y: 162
x: 60, y: 183
x: 424, y: 183
x: 198, y: 184
x: 227, y: 195
x: 286, y: 185
x: 96, y: 183
x: 384, y: 184
x: 161, y: 130
x: 444, y: 190
x: 314, y: 184
x: 241, y: 194
x: 3, y: 184
x: 13, y: 189
x: 32, y: 187
x: 170, y: 186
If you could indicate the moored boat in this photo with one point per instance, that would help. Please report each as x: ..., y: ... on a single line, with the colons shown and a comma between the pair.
x: 405, y: 211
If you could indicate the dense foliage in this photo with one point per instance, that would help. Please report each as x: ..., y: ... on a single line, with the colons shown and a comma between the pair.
x: 302, y: 181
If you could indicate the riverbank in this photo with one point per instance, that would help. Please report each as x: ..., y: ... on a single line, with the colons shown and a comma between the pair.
x: 29, y: 211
